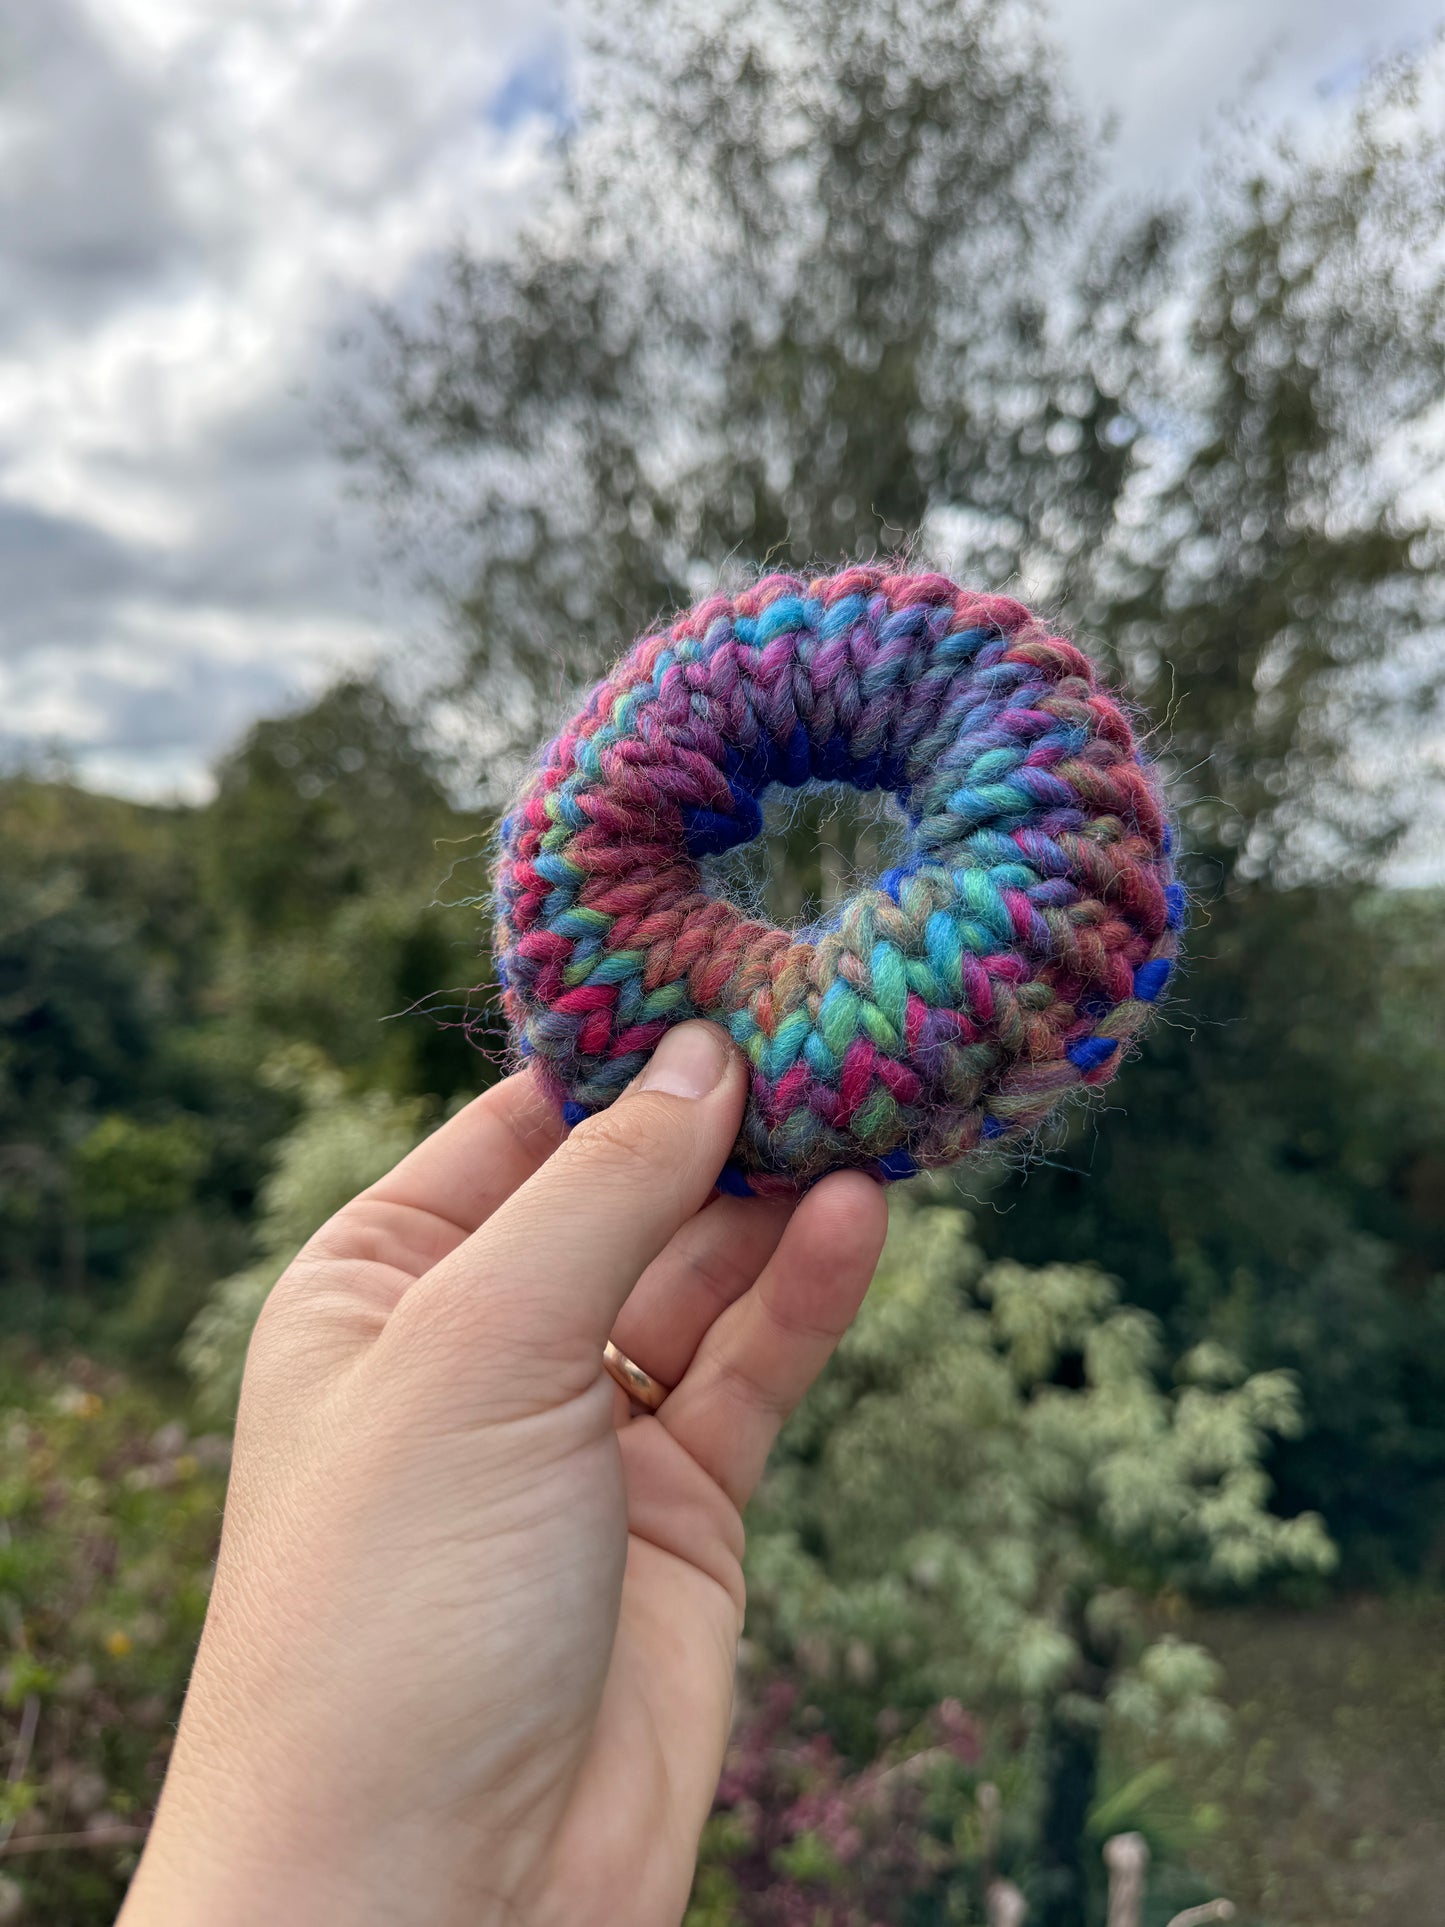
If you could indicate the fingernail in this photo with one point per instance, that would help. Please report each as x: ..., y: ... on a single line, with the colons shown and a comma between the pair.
x: 689, y: 1062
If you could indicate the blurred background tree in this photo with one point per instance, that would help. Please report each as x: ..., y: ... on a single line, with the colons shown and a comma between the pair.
x: 798, y: 300
x: 780, y: 304
x: 343, y: 1141
x: 981, y: 1498
x: 153, y: 963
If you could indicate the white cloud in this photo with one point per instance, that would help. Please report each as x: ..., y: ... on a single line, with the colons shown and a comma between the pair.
x: 1168, y: 71
x: 194, y: 197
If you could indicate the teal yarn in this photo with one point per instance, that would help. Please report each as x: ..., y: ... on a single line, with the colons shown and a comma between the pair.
x: 949, y: 1005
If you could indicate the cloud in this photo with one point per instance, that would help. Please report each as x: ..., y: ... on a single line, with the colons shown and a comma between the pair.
x: 1168, y: 72
x: 149, y: 708
x: 537, y: 85
x: 54, y: 568
x: 194, y: 199
x: 86, y: 208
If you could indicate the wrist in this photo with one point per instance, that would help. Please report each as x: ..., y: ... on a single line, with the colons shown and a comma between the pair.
x: 280, y: 1864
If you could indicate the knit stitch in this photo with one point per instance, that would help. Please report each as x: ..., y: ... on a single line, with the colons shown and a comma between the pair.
x: 951, y: 1004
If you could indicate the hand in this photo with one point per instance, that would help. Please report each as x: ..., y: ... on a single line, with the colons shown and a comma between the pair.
x: 470, y: 1650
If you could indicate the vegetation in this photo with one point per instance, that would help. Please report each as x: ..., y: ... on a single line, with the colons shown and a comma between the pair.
x: 159, y: 968
x: 109, y: 1517
x: 978, y: 1502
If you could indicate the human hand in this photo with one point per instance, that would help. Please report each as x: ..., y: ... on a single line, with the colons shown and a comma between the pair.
x: 469, y: 1655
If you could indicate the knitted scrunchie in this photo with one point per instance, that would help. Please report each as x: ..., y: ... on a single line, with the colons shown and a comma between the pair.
x: 955, y: 1001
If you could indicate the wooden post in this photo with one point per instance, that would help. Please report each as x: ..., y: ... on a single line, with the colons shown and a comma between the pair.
x: 1004, y: 1905
x: 1127, y: 1858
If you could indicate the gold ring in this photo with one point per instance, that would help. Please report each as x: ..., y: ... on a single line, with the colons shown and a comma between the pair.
x: 640, y: 1386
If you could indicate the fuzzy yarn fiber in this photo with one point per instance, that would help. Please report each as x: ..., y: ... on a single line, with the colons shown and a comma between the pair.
x: 957, y: 1000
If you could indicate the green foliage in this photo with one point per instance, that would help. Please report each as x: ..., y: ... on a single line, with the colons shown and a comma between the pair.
x: 130, y: 1170
x: 109, y: 1518
x: 984, y: 1495
x: 155, y: 962
x: 334, y: 857
x: 99, y: 940
x: 1275, y: 1184
x: 993, y: 1455
x: 343, y: 1142
x: 320, y: 806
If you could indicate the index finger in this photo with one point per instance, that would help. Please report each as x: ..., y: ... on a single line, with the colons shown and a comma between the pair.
x: 450, y: 1185
x: 528, y: 1303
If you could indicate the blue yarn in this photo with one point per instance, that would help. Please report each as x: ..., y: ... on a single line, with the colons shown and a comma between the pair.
x: 1090, y: 1052
x: 1150, y: 978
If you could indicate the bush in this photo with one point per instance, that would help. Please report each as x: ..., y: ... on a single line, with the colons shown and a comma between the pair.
x: 981, y: 1498
x: 344, y: 1141
x: 801, y: 1838
x: 109, y: 1522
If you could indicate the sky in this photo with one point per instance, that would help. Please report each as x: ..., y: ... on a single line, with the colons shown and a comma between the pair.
x: 198, y: 197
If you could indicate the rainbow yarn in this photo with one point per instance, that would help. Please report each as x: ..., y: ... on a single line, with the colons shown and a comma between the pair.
x: 954, y: 1002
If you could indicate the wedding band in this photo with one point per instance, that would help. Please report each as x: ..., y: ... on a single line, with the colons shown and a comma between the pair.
x: 640, y: 1386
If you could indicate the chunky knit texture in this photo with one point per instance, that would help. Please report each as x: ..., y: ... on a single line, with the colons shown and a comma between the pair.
x: 953, y: 1003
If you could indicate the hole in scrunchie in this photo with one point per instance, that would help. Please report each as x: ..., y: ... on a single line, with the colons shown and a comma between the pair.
x: 818, y: 847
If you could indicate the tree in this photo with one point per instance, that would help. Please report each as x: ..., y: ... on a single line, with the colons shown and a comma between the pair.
x: 770, y: 308
x: 982, y: 1495
x: 328, y: 803
x: 796, y: 299
x: 103, y: 937
x: 1273, y: 1183
x: 1270, y: 567
x: 153, y: 960
x: 345, y: 881
x: 343, y: 1141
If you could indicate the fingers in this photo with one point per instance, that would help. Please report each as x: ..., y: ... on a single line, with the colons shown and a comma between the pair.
x: 348, y: 1279
x: 443, y: 1190
x: 763, y: 1353
x: 540, y: 1285
x: 478, y: 1158
x: 711, y: 1262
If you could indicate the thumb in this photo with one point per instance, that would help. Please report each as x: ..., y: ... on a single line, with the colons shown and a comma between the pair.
x: 538, y: 1288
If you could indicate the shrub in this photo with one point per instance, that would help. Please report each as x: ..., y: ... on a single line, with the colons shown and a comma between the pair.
x: 109, y: 1521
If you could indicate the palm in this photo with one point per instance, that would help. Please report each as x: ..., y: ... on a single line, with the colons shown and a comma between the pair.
x: 674, y: 1485
x: 550, y: 1588
x: 648, y: 1775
